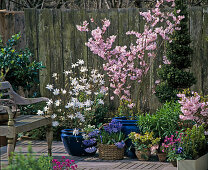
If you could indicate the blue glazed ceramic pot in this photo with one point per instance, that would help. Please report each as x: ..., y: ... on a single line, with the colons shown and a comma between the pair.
x: 128, y: 126
x: 73, y: 144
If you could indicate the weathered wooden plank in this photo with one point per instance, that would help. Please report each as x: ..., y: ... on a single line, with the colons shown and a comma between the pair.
x: 19, y: 22
x: 56, y: 54
x: 31, y: 25
x: 45, y: 29
x: 80, y: 50
x: 205, y: 51
x: 123, y: 27
x: 68, y: 38
x: 196, y: 45
x: 92, y: 59
x: 68, y: 33
x: 2, y: 25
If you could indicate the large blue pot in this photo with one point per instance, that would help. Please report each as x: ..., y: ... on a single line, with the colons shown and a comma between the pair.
x: 73, y: 144
x: 128, y: 126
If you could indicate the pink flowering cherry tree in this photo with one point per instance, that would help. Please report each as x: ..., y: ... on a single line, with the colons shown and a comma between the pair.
x: 194, y: 107
x: 120, y: 61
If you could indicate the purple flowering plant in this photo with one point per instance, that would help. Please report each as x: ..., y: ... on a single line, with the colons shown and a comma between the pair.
x: 111, y: 134
x: 90, y: 140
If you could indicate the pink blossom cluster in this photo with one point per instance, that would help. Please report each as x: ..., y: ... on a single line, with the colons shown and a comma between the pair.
x: 65, y: 164
x: 170, y: 143
x: 124, y: 64
x: 193, y: 108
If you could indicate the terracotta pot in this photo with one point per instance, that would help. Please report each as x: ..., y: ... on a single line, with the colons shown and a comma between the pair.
x: 162, y: 156
x: 143, y: 155
x: 174, y: 163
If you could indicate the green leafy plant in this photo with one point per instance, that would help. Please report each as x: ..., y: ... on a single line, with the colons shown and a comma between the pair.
x: 173, y: 73
x: 17, y: 66
x: 143, y: 141
x: 162, y: 123
x: 194, y: 142
x: 19, y: 161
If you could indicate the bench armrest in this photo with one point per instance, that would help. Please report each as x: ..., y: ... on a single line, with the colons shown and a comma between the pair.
x: 19, y: 100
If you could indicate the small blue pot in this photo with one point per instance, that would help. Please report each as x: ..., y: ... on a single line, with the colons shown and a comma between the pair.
x: 73, y: 144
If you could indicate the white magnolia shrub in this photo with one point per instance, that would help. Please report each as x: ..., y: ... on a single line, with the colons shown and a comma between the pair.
x: 74, y: 105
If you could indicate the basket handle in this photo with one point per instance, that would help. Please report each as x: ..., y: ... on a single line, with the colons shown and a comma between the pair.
x: 103, y: 125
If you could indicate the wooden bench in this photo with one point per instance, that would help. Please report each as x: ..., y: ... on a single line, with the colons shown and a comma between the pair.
x: 23, y: 123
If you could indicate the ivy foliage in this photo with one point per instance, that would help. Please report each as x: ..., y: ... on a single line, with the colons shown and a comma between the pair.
x: 17, y: 65
x: 175, y: 77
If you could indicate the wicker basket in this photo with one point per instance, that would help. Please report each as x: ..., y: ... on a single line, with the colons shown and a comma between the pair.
x: 110, y: 152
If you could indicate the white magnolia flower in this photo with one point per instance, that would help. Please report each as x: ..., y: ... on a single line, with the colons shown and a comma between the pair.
x: 63, y: 91
x: 70, y: 104
x: 54, y: 75
x: 100, y: 101
x: 83, y: 69
x: 46, y: 109
x: 75, y: 132
x: 81, y: 105
x: 55, y: 123
x: 82, y: 119
x: 83, y: 80
x: 40, y: 112
x: 49, y: 102
x: 49, y: 87
x: 53, y: 116
x: 56, y: 91
x: 71, y: 116
x: 96, y: 93
x: 74, y: 82
x: 102, y: 82
x: 88, y: 109
x: 80, y: 62
x: 87, y: 103
x: 78, y: 114
x: 93, y: 71
x: 73, y: 65
x: 66, y: 72
x: 88, y: 92
x: 57, y: 102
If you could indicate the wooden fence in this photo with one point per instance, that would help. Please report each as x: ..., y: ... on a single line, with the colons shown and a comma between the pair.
x: 53, y: 38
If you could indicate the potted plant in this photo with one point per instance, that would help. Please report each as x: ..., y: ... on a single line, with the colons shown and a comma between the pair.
x: 127, y: 118
x: 195, y: 148
x: 173, y: 147
x: 90, y: 140
x: 162, y: 123
x: 142, y: 144
x: 111, y: 141
x: 75, y: 104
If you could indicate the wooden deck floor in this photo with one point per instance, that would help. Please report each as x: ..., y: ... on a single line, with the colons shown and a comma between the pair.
x: 86, y: 163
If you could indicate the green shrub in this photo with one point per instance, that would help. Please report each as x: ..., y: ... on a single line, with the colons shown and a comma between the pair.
x: 162, y: 123
x: 21, y: 70
x: 174, y: 76
x: 19, y: 161
x: 194, y: 142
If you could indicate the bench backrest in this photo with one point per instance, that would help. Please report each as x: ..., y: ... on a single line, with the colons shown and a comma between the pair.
x: 6, y: 92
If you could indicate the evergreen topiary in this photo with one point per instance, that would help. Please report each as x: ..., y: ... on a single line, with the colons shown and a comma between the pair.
x: 174, y: 75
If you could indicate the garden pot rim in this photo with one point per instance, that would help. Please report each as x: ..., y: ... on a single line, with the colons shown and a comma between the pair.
x: 70, y: 131
x: 193, y: 159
